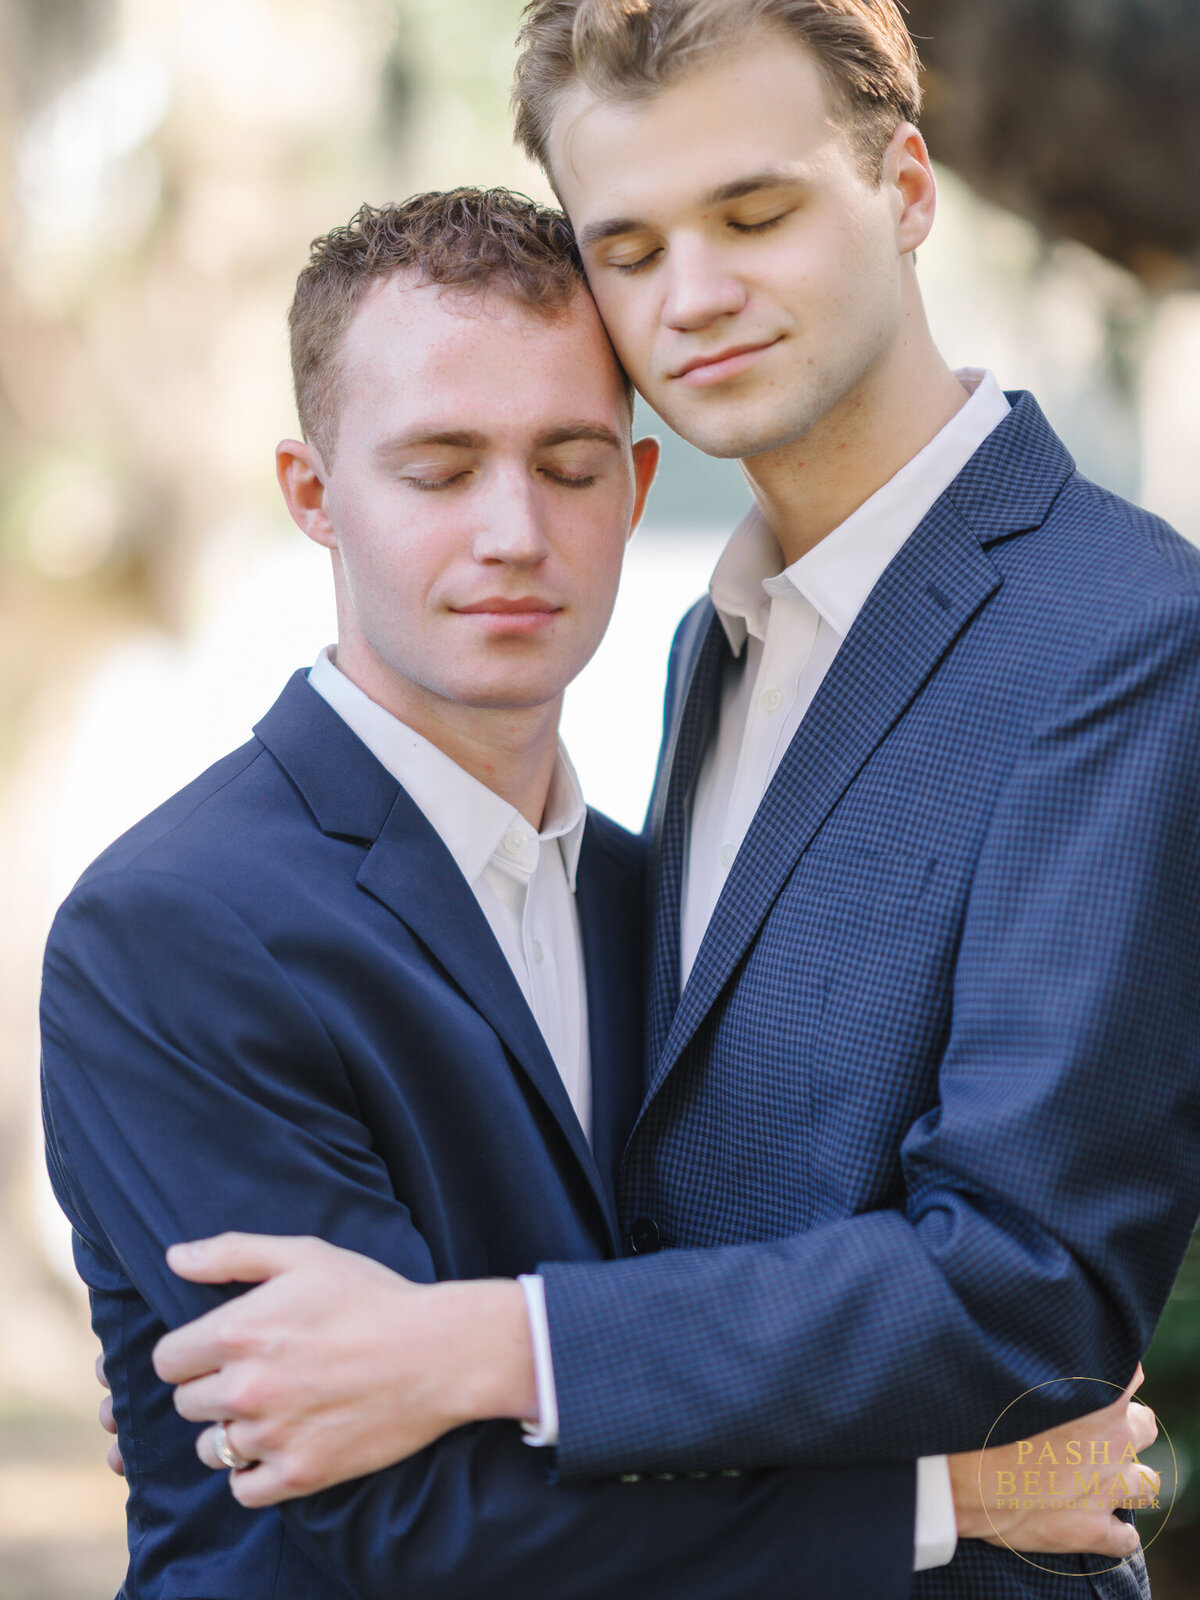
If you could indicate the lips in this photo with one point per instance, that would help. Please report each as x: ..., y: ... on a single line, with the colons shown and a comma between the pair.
x: 722, y: 363
x: 499, y: 605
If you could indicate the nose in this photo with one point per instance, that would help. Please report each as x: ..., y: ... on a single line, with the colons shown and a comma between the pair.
x: 511, y: 528
x: 700, y: 286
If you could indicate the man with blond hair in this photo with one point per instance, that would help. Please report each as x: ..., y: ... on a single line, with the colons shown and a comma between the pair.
x: 377, y: 973
x: 918, y: 1132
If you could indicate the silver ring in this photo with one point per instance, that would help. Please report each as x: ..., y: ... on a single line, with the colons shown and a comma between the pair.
x: 226, y: 1454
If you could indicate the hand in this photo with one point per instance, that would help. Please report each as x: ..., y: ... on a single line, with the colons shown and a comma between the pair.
x: 109, y: 1423
x: 1074, y: 1511
x: 335, y: 1366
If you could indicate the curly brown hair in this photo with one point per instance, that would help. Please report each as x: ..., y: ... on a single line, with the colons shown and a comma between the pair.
x: 476, y: 240
x: 630, y: 49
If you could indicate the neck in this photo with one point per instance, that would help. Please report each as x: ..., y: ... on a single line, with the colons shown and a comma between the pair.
x: 808, y: 488
x: 511, y: 752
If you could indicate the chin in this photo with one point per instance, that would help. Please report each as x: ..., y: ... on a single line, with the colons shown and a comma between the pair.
x: 736, y: 435
x: 508, y: 696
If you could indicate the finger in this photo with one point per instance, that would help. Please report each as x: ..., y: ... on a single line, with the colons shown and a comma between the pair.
x: 1135, y: 1383
x: 192, y: 1351
x: 1144, y: 1425
x: 263, y: 1485
x: 236, y: 1257
x: 1120, y: 1540
x: 206, y: 1449
x: 239, y: 1436
x: 116, y: 1462
x: 107, y: 1421
x: 100, y: 1378
x: 205, y: 1399
x: 1143, y: 1484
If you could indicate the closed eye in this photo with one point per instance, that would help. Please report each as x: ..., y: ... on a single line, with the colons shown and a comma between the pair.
x: 757, y: 227
x: 436, y: 483
x: 570, y: 481
x: 635, y: 266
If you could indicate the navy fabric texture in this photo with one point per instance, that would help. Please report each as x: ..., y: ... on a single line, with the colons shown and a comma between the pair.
x: 923, y: 1129
x: 275, y: 1006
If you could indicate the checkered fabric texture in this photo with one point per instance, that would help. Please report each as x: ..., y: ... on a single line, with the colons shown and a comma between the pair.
x: 923, y: 1129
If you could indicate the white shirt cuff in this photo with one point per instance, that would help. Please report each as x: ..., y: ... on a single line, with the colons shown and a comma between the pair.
x: 545, y: 1430
x: 936, y: 1537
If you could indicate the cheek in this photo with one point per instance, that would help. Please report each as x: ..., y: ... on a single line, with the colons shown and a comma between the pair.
x: 629, y: 316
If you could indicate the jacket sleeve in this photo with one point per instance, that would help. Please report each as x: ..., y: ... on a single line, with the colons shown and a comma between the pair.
x: 189, y: 1089
x: 1049, y: 1194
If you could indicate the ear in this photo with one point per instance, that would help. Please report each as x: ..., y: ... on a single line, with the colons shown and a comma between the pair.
x: 301, y: 475
x: 908, y: 171
x: 645, y: 464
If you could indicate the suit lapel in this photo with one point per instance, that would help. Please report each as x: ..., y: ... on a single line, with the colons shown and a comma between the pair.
x: 687, y: 736
x: 409, y: 870
x: 611, y: 901
x: 934, y: 586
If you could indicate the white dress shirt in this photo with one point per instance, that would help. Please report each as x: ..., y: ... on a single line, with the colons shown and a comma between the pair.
x: 523, y: 878
x: 784, y: 628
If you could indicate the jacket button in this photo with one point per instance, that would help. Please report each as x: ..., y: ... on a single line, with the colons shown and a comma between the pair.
x: 645, y: 1237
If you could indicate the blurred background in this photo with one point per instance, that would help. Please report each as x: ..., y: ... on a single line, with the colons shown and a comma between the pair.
x: 164, y: 165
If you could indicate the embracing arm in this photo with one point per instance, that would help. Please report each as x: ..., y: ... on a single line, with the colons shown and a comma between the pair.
x: 189, y: 1089
x: 1049, y: 1195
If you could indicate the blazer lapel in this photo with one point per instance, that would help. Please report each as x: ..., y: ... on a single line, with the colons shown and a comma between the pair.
x: 687, y: 737
x: 933, y: 587
x: 611, y: 901
x: 412, y: 873
x: 409, y: 870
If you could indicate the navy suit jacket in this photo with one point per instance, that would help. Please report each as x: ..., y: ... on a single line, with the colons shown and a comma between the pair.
x: 923, y: 1129
x: 275, y: 1006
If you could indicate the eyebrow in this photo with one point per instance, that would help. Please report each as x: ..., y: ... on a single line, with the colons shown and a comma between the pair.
x: 768, y: 178
x: 464, y: 439
x: 752, y: 183
x: 570, y: 432
x: 449, y: 438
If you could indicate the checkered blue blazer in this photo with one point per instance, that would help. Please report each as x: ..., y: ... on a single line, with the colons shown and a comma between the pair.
x: 922, y: 1131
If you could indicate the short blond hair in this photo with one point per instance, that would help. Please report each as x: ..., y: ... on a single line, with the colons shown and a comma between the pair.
x: 469, y: 239
x: 630, y: 49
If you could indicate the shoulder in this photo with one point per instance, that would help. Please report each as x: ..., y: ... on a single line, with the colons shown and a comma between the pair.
x: 1094, y: 567
x: 1125, y: 543
x: 219, y: 835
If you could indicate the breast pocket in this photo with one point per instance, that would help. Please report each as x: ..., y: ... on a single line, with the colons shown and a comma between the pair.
x: 861, y: 874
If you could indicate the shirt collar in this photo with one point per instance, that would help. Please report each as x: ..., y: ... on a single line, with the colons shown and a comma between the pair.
x: 471, y: 820
x: 837, y: 575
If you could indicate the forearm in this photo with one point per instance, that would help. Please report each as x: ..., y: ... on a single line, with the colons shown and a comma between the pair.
x: 733, y: 1358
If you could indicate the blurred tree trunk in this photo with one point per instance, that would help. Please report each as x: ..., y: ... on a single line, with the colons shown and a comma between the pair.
x: 1082, y: 115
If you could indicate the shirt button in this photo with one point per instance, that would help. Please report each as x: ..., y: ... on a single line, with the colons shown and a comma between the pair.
x: 514, y: 843
x: 727, y: 855
x: 645, y: 1238
x: 539, y: 955
x: 772, y: 700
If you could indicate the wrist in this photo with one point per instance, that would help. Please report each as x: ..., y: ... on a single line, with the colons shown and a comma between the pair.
x: 496, y: 1372
x: 970, y: 1516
